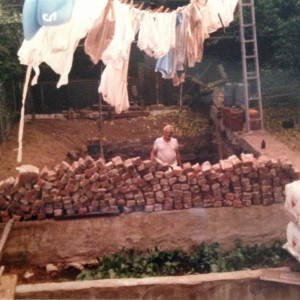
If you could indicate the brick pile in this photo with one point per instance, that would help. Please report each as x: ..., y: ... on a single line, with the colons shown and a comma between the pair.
x: 93, y: 186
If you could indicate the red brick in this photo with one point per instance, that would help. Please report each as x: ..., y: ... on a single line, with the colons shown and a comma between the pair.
x: 173, y: 180
x: 178, y: 205
x: 130, y: 203
x: 137, y: 161
x: 168, y: 206
x: 164, y: 181
x: 177, y: 171
x: 148, y: 177
x: 218, y: 203
x: 206, y: 168
x: 117, y: 161
x: 149, y: 208
x: 237, y: 203
x: 247, y: 159
x: 187, y: 167
x: 158, y: 207
x: 236, y: 162
x: 150, y: 201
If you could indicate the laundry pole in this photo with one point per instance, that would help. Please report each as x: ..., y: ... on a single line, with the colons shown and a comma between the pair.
x: 21, y: 125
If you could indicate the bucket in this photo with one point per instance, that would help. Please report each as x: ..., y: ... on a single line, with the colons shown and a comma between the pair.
x: 93, y: 148
x: 254, y: 119
x: 229, y: 94
x: 233, y: 118
x: 239, y: 94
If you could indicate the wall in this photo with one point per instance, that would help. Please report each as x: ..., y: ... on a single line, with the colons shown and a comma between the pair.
x: 83, y: 240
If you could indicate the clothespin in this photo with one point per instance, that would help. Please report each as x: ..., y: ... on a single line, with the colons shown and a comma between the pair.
x: 159, y: 10
x: 141, y: 5
x: 166, y: 10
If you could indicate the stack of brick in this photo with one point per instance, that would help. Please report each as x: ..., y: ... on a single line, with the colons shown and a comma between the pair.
x: 93, y: 186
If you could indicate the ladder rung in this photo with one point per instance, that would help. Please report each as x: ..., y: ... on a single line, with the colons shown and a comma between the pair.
x: 251, y: 56
x: 254, y: 99
x: 252, y: 77
x: 248, y: 25
x: 252, y: 74
x: 250, y: 41
x: 246, y: 4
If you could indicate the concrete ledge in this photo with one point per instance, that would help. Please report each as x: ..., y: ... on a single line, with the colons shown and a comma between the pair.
x: 82, y: 240
x: 226, y: 286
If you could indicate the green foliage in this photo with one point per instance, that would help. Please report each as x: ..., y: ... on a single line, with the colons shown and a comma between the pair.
x: 278, y: 34
x: 279, y: 22
x: 202, y: 259
x: 206, y: 259
x: 11, y: 36
x: 187, y: 123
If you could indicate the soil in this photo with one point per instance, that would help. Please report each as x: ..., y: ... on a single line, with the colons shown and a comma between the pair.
x: 47, y: 142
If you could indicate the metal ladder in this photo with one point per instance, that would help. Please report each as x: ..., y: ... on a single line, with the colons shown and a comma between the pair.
x: 250, y: 65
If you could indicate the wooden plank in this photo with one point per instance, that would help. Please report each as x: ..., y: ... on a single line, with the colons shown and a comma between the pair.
x: 5, y: 234
x: 87, y: 215
x: 287, y: 277
x: 8, y: 286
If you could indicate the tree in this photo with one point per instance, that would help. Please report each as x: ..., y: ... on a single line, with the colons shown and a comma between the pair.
x: 278, y: 25
x: 10, y: 40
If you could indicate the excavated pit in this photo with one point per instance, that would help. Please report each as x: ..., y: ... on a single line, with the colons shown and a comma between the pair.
x: 192, y: 149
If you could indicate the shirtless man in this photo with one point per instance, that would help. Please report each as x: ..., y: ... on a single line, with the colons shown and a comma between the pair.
x: 165, y: 148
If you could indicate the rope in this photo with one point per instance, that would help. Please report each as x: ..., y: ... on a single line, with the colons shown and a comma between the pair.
x: 21, y: 125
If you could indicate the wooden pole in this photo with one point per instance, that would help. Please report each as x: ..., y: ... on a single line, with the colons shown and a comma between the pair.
x: 5, y: 234
x: 157, y: 88
x: 180, y: 98
x: 100, y: 112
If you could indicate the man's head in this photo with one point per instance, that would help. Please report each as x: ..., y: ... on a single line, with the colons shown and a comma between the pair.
x: 168, y: 132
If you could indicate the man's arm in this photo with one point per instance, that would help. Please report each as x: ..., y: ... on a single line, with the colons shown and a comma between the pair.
x: 153, y: 154
x: 178, y: 157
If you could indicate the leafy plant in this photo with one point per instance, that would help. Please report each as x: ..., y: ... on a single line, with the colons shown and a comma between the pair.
x: 202, y: 259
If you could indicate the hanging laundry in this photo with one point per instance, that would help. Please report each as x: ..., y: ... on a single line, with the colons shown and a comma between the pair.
x: 55, y: 45
x: 113, y: 83
x: 206, y: 17
x: 196, y: 33
x: 38, y: 13
x: 219, y: 13
x: 175, y: 59
x: 102, y: 33
x: 157, y: 33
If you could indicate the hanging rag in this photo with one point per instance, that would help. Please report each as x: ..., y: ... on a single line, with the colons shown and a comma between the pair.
x: 101, y: 34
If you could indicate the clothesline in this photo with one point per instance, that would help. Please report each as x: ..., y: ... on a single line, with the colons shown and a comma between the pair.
x: 175, y: 38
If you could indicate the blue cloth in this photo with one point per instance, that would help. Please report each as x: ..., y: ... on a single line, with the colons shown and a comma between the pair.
x: 164, y: 64
x: 37, y: 13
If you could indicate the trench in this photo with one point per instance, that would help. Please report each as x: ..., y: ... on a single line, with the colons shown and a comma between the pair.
x: 192, y: 149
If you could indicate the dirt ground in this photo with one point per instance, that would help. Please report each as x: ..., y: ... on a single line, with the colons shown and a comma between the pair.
x: 48, y: 142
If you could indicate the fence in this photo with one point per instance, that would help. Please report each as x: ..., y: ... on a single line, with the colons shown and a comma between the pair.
x: 8, y: 108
